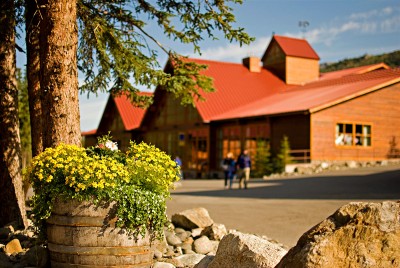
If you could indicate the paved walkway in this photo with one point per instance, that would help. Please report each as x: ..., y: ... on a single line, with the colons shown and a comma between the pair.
x: 284, y: 208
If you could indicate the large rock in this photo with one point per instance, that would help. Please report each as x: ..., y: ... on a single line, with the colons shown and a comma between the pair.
x: 215, y: 232
x: 203, y: 245
x: 192, y: 218
x: 189, y: 260
x: 357, y: 235
x: 245, y: 250
x: 14, y: 246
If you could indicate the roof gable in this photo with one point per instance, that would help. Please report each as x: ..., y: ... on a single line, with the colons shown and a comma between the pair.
x: 131, y: 115
x: 292, y: 47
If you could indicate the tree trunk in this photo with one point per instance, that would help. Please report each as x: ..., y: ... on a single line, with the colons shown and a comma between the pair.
x: 12, y: 197
x: 32, y: 20
x: 59, y: 76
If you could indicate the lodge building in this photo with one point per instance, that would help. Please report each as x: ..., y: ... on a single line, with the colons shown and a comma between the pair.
x: 351, y: 114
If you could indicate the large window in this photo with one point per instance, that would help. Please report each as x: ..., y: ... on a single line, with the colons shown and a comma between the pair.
x: 350, y: 134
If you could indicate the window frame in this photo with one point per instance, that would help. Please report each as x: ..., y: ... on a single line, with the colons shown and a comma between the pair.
x: 353, y: 136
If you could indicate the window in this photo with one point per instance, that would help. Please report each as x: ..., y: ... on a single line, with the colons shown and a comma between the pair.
x: 349, y: 134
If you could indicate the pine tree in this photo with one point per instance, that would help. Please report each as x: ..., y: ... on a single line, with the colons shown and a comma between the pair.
x: 263, y: 162
x: 12, y: 199
x: 283, y: 157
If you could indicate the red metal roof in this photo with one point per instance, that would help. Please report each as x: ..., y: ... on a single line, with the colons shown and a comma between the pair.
x: 355, y: 70
x: 314, y: 96
x: 241, y: 93
x: 293, y: 47
x: 131, y: 115
x: 235, y: 86
x: 89, y: 132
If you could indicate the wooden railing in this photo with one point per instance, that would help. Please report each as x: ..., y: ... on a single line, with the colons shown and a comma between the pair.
x: 300, y: 156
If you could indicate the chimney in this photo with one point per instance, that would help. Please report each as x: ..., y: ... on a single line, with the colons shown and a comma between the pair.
x: 253, y: 64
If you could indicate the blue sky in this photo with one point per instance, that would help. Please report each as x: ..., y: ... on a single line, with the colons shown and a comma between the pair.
x: 337, y: 30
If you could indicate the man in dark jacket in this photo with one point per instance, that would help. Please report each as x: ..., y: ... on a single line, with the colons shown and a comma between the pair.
x: 244, y: 166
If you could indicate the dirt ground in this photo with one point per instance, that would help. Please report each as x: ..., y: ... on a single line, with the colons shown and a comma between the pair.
x: 284, y: 208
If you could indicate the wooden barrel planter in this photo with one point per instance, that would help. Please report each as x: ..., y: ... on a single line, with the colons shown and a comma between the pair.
x: 82, y: 235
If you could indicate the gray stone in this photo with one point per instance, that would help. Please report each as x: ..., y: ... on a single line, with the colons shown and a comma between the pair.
x: 197, y: 232
x: 163, y: 265
x: 36, y: 256
x: 157, y: 254
x: 173, y: 240
x: 215, y: 232
x: 190, y: 260
x: 357, y: 235
x: 204, y: 262
x: 4, y: 261
x: 182, y: 235
x: 351, y: 164
x: 192, y: 218
x: 243, y: 250
x: 5, y: 233
x: 202, y: 245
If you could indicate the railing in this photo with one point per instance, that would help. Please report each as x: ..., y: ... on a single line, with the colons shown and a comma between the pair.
x: 300, y: 156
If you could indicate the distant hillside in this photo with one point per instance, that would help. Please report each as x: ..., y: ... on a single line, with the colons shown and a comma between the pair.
x: 392, y: 59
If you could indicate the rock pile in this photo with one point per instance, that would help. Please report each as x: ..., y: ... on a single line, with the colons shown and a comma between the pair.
x: 357, y: 235
x: 195, y: 240
x: 321, y: 166
x: 19, y: 248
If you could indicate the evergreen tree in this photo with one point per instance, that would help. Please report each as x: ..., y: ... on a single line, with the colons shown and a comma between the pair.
x: 24, y: 120
x: 283, y: 157
x: 263, y: 161
x: 12, y: 197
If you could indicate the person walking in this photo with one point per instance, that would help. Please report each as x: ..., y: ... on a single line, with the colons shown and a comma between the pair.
x: 244, y: 166
x: 229, y: 167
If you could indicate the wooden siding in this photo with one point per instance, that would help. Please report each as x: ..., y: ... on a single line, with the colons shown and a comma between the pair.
x: 275, y: 60
x: 380, y: 109
x: 177, y: 130
x: 295, y: 127
x: 300, y: 70
x: 112, y: 121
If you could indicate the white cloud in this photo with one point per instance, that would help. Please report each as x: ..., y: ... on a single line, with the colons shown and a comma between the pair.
x: 234, y: 52
x: 390, y: 25
x: 373, y: 13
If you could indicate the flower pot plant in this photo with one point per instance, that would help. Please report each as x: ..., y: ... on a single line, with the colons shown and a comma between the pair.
x: 132, y: 186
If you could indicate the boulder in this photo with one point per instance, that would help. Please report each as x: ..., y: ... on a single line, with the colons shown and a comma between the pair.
x: 14, y: 246
x: 163, y: 265
x: 189, y: 260
x: 5, y: 232
x: 173, y: 239
x: 197, y: 232
x: 244, y: 250
x: 203, y: 245
x: 357, y: 235
x: 215, y: 232
x: 204, y: 262
x: 36, y: 256
x: 192, y: 218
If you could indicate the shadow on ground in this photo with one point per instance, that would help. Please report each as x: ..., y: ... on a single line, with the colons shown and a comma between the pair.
x: 383, y: 185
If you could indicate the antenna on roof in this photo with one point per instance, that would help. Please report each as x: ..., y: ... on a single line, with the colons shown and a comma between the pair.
x: 303, y: 24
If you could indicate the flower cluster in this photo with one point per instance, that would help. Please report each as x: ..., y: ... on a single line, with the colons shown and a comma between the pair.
x: 138, y: 180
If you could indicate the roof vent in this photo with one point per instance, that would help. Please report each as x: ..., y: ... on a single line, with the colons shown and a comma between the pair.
x: 253, y: 64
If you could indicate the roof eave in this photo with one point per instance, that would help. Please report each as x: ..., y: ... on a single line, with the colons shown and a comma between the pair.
x: 355, y: 95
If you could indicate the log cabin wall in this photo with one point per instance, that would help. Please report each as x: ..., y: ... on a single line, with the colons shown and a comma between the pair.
x: 296, y: 127
x: 275, y: 61
x: 301, y: 70
x: 178, y: 130
x: 112, y: 121
x: 380, y: 110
